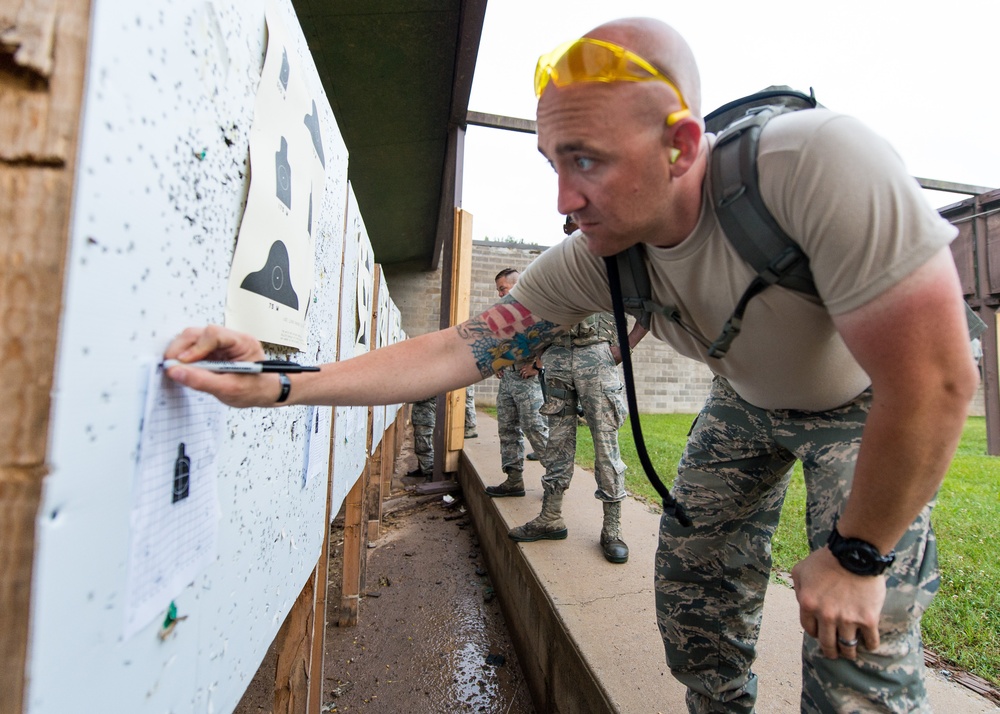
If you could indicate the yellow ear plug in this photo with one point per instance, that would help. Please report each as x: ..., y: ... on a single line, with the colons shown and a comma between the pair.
x: 675, y: 154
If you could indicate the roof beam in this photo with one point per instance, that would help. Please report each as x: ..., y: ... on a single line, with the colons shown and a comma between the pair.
x: 497, y: 121
x: 951, y: 187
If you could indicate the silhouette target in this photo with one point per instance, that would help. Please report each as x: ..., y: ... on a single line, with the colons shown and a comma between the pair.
x: 312, y: 124
x: 273, y: 281
x: 283, y: 74
x: 283, y: 175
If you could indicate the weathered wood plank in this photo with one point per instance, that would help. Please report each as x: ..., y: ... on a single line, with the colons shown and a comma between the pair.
x: 355, y: 527
x: 294, y: 645
x: 43, y: 55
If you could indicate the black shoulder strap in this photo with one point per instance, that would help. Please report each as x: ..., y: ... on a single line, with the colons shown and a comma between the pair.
x: 670, y: 505
x: 747, y: 222
x: 634, y: 280
x: 637, y: 292
x: 745, y: 219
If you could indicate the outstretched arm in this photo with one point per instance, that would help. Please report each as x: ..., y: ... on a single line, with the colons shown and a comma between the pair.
x: 404, y: 372
x: 913, y: 343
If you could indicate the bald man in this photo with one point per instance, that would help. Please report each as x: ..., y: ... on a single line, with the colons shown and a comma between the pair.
x: 818, y: 380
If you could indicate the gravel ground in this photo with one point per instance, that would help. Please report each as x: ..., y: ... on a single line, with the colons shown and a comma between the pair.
x: 430, y: 636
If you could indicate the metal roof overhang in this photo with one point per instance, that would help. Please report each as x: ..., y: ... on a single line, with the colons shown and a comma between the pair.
x: 398, y: 74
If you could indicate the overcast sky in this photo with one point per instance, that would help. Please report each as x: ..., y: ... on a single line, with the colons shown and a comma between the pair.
x: 923, y: 75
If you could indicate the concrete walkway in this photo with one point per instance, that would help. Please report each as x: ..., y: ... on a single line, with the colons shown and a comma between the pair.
x: 585, y: 630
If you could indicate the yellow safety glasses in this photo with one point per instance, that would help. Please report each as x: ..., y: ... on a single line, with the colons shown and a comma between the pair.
x: 589, y: 60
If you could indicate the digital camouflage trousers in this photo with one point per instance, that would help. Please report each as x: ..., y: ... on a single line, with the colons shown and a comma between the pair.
x: 518, y: 402
x: 470, y: 409
x: 424, y: 416
x: 711, y: 578
x: 589, y: 377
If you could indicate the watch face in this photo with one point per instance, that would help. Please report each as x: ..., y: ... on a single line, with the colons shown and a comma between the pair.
x: 858, y: 556
x: 860, y: 559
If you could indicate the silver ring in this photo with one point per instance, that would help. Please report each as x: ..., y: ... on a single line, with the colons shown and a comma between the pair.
x: 847, y: 643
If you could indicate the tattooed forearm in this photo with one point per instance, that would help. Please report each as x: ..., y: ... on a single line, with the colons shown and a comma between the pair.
x: 506, y: 333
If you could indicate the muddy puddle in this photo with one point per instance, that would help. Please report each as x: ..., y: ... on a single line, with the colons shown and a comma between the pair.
x: 431, y: 637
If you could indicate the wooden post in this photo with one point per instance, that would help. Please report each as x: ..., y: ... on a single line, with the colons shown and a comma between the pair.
x: 979, y: 274
x: 373, y: 490
x: 294, y: 644
x: 356, y: 537
x: 987, y: 232
x: 355, y: 543
x: 374, y: 470
x: 319, y: 612
x: 388, y: 460
x: 43, y: 59
x: 461, y: 289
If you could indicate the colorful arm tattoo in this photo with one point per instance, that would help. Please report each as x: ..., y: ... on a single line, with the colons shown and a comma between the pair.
x: 506, y: 333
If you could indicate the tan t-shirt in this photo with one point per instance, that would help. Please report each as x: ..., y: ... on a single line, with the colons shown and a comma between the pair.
x: 845, y: 197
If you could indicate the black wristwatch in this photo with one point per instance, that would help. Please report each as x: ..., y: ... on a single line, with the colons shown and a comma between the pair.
x: 858, y: 556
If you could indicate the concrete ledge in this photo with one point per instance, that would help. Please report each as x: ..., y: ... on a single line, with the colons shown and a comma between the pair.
x: 558, y: 676
x: 585, y: 630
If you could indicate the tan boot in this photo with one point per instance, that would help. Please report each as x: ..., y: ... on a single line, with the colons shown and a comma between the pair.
x: 612, y: 544
x: 513, y: 486
x: 549, y: 524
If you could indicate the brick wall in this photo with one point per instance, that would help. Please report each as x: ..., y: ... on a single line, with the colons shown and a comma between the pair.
x: 666, y: 383
x: 418, y: 297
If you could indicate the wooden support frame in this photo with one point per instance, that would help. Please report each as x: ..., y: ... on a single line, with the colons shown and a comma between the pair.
x: 355, y: 547
x: 461, y: 294
x: 389, y: 451
x: 373, y: 489
x: 978, y: 223
x: 294, y: 643
x: 321, y: 577
x: 301, y: 640
x: 43, y: 61
x: 373, y: 492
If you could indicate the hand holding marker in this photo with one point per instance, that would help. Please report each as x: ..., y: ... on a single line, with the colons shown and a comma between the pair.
x: 271, y: 365
x: 232, y: 366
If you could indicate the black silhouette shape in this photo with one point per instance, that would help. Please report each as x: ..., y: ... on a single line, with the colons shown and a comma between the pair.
x: 312, y: 124
x: 283, y: 175
x: 283, y: 74
x: 182, y: 475
x: 309, y: 224
x: 273, y: 281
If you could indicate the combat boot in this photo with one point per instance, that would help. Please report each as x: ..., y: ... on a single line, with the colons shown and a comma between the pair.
x: 549, y: 524
x: 612, y: 544
x: 513, y: 486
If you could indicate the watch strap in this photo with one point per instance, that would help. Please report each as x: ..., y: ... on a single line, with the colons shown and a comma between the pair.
x: 286, y: 387
x: 858, y: 556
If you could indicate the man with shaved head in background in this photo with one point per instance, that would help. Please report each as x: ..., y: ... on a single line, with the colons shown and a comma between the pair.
x: 819, y: 379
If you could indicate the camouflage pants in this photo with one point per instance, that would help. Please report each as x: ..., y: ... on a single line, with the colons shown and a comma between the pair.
x: 588, y: 376
x: 710, y: 580
x: 470, y: 409
x: 518, y: 402
x: 424, y: 416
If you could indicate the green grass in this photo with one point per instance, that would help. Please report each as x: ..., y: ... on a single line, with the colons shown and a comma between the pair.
x: 963, y: 623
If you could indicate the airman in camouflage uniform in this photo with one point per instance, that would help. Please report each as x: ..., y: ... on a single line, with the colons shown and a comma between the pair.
x: 470, y: 412
x: 518, y: 400
x: 580, y: 370
x: 519, y: 397
x: 423, y: 417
